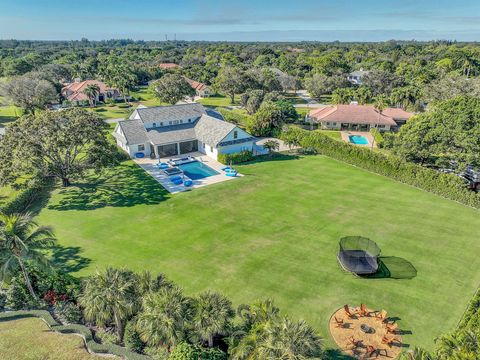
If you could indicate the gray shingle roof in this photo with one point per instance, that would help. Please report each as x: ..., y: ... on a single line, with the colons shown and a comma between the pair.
x: 211, y: 131
x: 171, y: 134
x: 170, y: 113
x: 134, y: 131
x: 206, y: 128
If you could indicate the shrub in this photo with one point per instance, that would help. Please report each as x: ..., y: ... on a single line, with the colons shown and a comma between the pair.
x: 131, y: 338
x: 17, y: 296
x: 3, y: 299
x: 106, y: 337
x: 236, y: 158
x: 185, y: 351
x: 446, y: 185
x: 157, y: 353
x: 26, y: 197
x: 68, y: 312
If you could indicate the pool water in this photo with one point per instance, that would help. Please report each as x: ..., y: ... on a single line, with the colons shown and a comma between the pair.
x: 196, y: 170
x: 358, y: 139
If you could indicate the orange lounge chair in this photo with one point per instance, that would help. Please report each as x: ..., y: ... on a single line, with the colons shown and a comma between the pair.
x: 348, y: 312
x: 354, y: 342
x: 389, y: 340
x: 392, y: 328
x: 338, y: 323
x: 363, y: 310
x: 371, y: 350
x: 382, y: 315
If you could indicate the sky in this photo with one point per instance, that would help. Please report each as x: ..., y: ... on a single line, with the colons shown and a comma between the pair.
x: 244, y: 20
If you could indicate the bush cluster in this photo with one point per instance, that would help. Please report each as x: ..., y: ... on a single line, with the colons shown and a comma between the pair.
x: 236, y: 158
x: 377, y: 136
x: 25, y: 198
x: 446, y: 185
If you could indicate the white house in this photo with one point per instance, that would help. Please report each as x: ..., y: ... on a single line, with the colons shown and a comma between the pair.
x: 356, y: 77
x: 168, y: 131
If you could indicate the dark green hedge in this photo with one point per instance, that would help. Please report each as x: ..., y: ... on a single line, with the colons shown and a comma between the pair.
x: 92, y: 345
x: 26, y: 197
x: 377, y: 136
x: 446, y: 185
x: 236, y: 158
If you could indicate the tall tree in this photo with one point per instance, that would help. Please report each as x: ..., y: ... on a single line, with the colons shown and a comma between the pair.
x: 164, y: 318
x: 29, y: 93
x: 110, y: 297
x: 231, y: 81
x: 171, y: 88
x: 92, y: 91
x: 213, y: 315
x: 22, y: 240
x: 55, y: 144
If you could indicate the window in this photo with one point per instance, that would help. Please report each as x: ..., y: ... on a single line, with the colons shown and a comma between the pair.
x: 154, y: 124
x: 181, y: 121
x: 169, y: 123
x: 141, y: 147
x: 235, y: 134
x: 189, y: 120
x: 161, y: 124
x: 328, y: 123
x: 334, y: 123
x: 211, y: 148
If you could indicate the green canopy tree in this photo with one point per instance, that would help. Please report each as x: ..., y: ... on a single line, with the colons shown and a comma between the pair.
x: 171, y: 88
x: 59, y: 144
x: 231, y: 80
x: 22, y: 240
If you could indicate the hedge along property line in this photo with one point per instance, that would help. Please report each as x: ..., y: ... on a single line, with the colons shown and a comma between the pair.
x: 76, y: 329
x: 377, y: 136
x: 445, y: 185
x: 25, y: 198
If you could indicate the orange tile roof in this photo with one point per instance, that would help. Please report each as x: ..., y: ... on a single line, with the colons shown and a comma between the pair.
x: 196, y: 84
x: 358, y: 114
x: 74, y: 91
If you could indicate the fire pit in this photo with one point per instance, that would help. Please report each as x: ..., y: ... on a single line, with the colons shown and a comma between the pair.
x: 367, y: 329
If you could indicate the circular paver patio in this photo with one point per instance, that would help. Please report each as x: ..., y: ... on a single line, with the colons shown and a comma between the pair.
x: 357, y: 334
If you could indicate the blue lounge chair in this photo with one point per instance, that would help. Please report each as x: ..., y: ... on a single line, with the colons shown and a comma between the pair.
x: 227, y: 168
x: 177, y: 180
x: 163, y: 166
x: 232, y: 173
x: 188, y: 183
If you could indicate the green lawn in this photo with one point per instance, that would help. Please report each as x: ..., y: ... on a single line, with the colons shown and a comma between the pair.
x: 274, y: 233
x: 219, y: 101
x: 334, y: 134
x: 31, y: 339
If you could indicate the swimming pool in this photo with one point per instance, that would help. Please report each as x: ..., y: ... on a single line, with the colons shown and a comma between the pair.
x: 196, y: 170
x: 358, y: 139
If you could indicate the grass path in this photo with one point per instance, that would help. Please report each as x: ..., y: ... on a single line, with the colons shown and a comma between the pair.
x: 275, y: 232
x: 32, y: 339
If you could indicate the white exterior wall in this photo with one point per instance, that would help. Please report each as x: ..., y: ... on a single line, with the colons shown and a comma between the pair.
x: 209, y: 150
x: 331, y: 125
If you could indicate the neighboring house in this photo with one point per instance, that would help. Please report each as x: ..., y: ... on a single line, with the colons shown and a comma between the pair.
x: 168, y: 66
x: 167, y: 131
x: 358, y: 117
x: 356, y: 77
x: 201, y: 89
x: 74, y: 91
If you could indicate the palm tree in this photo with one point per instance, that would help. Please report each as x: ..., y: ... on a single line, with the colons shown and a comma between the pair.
x: 92, y: 91
x: 381, y: 102
x: 21, y: 240
x: 289, y: 340
x: 110, y: 296
x: 271, y: 145
x: 164, y: 317
x: 416, y: 354
x: 213, y: 316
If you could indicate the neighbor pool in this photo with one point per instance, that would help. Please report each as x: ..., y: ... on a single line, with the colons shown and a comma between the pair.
x: 196, y: 170
x: 358, y: 139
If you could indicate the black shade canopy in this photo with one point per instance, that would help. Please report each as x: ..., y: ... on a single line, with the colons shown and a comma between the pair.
x: 359, y: 255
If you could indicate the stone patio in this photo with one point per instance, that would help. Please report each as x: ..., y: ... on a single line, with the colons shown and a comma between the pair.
x: 149, y: 165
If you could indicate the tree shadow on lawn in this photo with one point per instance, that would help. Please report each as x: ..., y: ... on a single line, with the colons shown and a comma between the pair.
x: 393, y: 267
x: 126, y: 185
x: 68, y: 259
x: 336, y: 354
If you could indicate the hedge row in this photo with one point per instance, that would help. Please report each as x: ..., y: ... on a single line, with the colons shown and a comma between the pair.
x: 236, y: 158
x: 91, y: 344
x: 25, y: 198
x: 471, y: 318
x: 446, y: 185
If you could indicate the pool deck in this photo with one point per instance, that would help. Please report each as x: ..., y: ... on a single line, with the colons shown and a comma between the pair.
x: 149, y: 165
x: 369, y: 137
